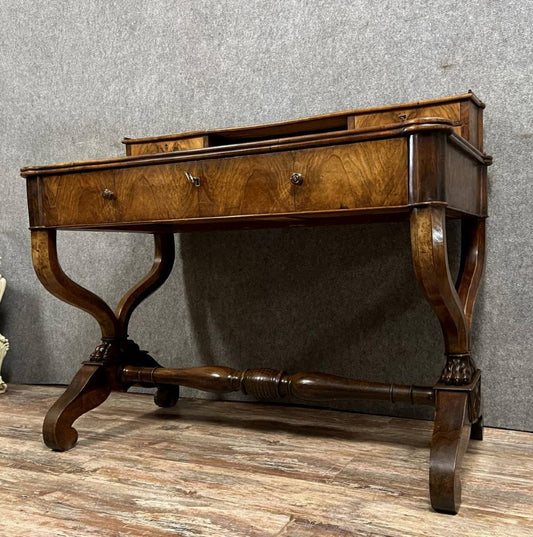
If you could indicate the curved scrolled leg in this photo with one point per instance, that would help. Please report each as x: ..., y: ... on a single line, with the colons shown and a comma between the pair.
x: 160, y: 271
x: 457, y: 392
x: 472, y: 263
x: 51, y: 275
x: 89, y: 388
x: 448, y: 446
x: 473, y: 232
x: 114, y: 325
x: 91, y: 385
x: 453, y: 304
x: 95, y: 380
x: 165, y: 396
x: 430, y: 260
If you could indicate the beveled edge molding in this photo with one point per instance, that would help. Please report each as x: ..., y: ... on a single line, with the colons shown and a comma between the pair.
x: 266, y: 220
x: 249, y: 221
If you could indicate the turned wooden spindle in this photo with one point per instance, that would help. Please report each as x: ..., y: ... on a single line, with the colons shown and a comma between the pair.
x: 269, y: 384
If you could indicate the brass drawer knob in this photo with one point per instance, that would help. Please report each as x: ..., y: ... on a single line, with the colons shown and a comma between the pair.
x: 192, y: 179
x: 297, y: 179
x: 108, y: 194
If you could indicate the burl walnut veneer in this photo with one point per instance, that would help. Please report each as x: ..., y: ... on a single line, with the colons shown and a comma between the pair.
x: 419, y: 161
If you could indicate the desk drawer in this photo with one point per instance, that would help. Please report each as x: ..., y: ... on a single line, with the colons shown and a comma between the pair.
x: 258, y: 184
x: 352, y: 176
x: 252, y: 184
x: 121, y: 195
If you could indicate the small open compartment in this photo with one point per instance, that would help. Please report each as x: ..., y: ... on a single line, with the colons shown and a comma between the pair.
x: 234, y: 136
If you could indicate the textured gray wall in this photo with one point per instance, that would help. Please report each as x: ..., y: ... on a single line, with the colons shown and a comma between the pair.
x: 78, y: 76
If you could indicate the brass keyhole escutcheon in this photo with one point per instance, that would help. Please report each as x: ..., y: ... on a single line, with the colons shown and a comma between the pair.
x: 297, y: 179
x: 192, y: 179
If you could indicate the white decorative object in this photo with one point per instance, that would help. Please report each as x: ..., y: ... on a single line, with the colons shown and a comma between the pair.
x: 4, y: 343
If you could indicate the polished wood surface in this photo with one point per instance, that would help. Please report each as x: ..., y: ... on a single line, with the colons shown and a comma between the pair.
x: 192, y: 142
x: 162, y: 267
x: 258, y: 184
x: 430, y: 260
x: 372, y: 174
x: 88, y: 389
x: 360, y: 166
x: 464, y: 111
x: 472, y: 261
x: 228, y: 469
x: 376, y: 171
x: 449, y: 111
x: 269, y: 384
x: 51, y: 275
x: 101, y: 373
x: 394, y: 130
x: 449, y: 443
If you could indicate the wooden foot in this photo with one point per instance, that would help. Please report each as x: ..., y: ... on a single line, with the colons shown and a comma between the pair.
x: 89, y: 388
x: 476, y: 432
x: 167, y: 396
x: 448, y: 445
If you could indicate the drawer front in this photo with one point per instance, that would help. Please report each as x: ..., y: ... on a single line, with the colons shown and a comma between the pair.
x: 353, y: 176
x: 451, y: 111
x: 141, y: 194
x: 77, y: 198
x: 254, y: 184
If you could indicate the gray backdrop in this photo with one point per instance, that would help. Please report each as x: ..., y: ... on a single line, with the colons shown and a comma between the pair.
x: 78, y: 76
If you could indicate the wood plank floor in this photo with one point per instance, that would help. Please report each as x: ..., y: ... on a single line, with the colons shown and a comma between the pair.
x: 226, y: 469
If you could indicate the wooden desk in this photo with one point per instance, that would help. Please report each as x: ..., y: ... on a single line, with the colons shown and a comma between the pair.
x: 418, y: 161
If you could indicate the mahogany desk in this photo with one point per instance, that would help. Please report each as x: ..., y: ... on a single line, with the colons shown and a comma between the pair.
x: 419, y: 161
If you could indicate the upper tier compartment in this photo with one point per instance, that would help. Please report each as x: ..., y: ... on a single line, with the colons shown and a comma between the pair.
x: 464, y: 111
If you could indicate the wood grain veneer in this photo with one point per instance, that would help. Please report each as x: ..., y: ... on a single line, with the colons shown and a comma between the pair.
x: 165, y: 146
x: 372, y: 174
x: 465, y: 110
x: 378, y: 171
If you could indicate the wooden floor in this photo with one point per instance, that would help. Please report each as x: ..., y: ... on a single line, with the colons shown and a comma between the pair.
x: 223, y: 469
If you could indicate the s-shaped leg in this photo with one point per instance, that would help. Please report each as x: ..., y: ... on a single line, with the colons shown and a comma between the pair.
x: 457, y: 392
x: 101, y: 373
